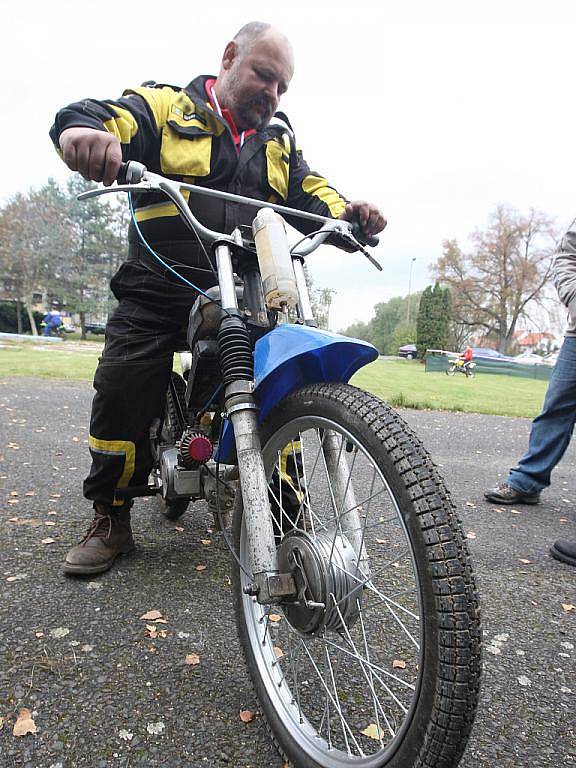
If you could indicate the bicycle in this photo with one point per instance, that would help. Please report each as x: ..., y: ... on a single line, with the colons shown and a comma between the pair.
x: 353, y: 589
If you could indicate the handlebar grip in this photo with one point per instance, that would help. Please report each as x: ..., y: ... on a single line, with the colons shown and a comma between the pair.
x: 131, y: 172
x: 372, y: 240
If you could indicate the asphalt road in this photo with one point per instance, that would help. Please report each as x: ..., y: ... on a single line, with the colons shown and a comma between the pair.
x: 101, y: 693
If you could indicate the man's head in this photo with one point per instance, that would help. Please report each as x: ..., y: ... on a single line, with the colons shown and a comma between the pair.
x: 256, y: 69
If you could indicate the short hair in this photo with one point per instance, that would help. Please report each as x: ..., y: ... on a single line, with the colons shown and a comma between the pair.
x: 249, y: 33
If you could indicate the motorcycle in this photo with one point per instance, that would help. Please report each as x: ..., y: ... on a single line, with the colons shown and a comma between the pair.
x: 459, y: 365
x: 353, y: 589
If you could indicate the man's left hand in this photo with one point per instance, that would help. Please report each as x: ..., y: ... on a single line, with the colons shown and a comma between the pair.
x: 370, y: 218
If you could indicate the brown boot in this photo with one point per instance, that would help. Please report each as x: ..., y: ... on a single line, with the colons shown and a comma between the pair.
x: 108, y: 536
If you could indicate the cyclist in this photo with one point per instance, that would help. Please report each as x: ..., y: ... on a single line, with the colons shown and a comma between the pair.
x: 222, y: 132
x: 467, y: 356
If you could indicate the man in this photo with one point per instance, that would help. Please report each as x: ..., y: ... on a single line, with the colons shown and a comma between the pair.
x: 52, y: 321
x: 217, y: 132
x: 552, y: 430
x: 467, y: 356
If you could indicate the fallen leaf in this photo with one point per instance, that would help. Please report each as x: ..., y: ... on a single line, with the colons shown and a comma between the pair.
x: 246, y: 715
x: 178, y: 528
x: 525, y: 681
x: 469, y: 504
x: 201, y: 567
x: 373, y: 732
x: 381, y: 541
x: 59, y: 632
x: 470, y: 535
x: 1, y: 723
x: 30, y: 493
x: 48, y: 541
x: 56, y: 495
x: 39, y: 634
x: 17, y: 577
x: 155, y: 728
x: 515, y: 511
x: 563, y: 519
x: 151, y: 631
x: 124, y: 734
x: 526, y: 562
x: 49, y: 522
x: 12, y: 501
x: 274, y: 617
x: 152, y: 615
x: 568, y: 607
x: 398, y: 664
x: 206, y: 541
x: 193, y: 659
x: 24, y: 724
x: 278, y: 652
x: 14, y: 493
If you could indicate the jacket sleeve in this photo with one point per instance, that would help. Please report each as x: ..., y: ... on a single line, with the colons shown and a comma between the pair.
x: 565, y: 270
x: 310, y: 191
x: 134, y: 119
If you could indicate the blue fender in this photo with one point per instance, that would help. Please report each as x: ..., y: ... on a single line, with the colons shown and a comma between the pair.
x: 291, y: 356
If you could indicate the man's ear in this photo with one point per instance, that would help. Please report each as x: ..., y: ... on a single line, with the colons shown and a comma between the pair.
x: 230, y: 53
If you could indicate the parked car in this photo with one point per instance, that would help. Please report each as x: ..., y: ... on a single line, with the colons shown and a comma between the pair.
x: 97, y: 328
x: 529, y: 358
x: 492, y: 355
x: 550, y: 358
x: 408, y: 351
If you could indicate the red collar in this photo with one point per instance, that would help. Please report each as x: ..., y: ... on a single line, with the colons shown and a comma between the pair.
x: 226, y: 114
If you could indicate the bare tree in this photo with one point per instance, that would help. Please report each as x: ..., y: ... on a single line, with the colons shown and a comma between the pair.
x: 508, y: 268
x: 34, y: 236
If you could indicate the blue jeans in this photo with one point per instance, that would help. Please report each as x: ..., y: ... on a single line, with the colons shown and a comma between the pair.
x: 552, y: 430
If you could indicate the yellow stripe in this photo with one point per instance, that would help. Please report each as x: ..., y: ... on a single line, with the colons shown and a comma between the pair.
x: 117, y: 448
x: 160, y: 210
x: 158, y: 99
x: 294, y: 447
x: 124, y: 127
x: 278, y: 169
x: 317, y: 186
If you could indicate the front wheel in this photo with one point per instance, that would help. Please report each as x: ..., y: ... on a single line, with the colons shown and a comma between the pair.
x: 378, y: 662
x: 451, y: 370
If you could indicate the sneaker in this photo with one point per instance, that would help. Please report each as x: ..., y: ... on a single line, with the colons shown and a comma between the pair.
x: 565, y: 551
x: 505, y: 494
x: 108, y: 536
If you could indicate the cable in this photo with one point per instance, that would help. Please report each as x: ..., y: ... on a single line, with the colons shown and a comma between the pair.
x: 159, y: 258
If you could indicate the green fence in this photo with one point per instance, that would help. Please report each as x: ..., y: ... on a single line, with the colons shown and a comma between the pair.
x: 439, y: 362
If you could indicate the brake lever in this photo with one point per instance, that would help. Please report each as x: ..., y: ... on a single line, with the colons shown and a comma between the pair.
x: 145, y: 185
x: 349, y: 236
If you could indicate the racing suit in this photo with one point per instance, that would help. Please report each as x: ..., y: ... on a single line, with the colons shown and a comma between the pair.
x: 179, y: 133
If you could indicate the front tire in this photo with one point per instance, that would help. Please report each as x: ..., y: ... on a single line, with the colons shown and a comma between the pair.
x: 451, y: 370
x: 392, y: 680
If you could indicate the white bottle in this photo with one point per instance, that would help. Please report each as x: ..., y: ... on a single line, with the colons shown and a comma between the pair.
x: 278, y: 280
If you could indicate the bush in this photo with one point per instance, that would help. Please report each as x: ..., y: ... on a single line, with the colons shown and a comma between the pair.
x: 9, y: 318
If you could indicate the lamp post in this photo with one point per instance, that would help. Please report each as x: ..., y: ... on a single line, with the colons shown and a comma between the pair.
x: 409, y: 290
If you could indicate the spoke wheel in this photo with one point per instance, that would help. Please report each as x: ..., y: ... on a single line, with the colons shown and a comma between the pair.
x: 378, y: 664
x: 451, y: 370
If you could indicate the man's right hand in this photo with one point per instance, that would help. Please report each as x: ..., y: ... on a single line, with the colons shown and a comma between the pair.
x: 95, y: 154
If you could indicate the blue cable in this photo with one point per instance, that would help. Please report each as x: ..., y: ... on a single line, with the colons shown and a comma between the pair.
x: 157, y: 256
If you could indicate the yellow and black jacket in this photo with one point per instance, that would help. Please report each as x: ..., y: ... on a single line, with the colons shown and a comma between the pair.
x: 175, y: 132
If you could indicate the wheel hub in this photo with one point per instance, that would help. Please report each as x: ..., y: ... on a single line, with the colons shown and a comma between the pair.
x: 328, y: 581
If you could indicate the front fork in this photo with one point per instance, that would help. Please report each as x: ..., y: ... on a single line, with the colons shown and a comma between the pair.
x: 269, y: 585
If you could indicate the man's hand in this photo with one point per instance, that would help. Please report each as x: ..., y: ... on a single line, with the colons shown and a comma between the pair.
x: 95, y: 154
x: 368, y: 215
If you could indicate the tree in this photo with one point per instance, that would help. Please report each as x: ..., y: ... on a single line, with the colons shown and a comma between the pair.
x: 34, y: 235
x: 434, y: 316
x: 388, y: 329
x: 507, y: 269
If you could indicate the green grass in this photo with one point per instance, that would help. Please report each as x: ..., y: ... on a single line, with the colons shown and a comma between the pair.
x: 53, y: 360
x: 405, y: 383
x: 402, y: 383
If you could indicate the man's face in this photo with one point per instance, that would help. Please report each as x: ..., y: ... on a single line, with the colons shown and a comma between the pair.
x: 254, y: 81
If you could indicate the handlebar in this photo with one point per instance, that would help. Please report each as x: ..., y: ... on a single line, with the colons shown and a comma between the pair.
x: 133, y: 176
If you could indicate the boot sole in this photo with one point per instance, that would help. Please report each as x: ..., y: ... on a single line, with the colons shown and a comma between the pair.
x: 559, y: 555
x: 520, y: 500
x: 91, y: 570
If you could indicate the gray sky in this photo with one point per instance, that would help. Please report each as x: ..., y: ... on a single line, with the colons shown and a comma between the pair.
x: 436, y: 111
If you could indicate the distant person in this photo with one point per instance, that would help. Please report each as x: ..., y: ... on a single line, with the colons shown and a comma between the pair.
x: 467, y: 356
x: 52, y: 322
x: 552, y: 430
